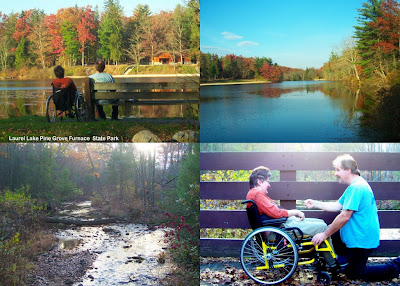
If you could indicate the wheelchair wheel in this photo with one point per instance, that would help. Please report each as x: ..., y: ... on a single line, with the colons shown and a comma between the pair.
x: 51, y: 112
x: 324, y: 278
x: 81, y: 109
x: 269, y: 255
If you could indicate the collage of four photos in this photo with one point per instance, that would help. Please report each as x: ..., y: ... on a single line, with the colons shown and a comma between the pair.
x: 188, y: 142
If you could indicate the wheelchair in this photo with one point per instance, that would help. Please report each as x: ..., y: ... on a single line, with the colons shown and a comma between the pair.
x: 270, y: 253
x: 56, y: 111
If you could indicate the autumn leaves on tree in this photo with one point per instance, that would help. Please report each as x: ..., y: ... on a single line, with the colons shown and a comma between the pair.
x: 81, y: 34
x: 373, y: 51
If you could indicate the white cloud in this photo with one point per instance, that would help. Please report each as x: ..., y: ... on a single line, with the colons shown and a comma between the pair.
x: 231, y: 36
x: 247, y: 44
x: 216, y: 50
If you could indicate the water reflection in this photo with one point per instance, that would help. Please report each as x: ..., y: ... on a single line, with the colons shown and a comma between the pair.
x: 28, y: 97
x: 125, y: 253
x: 283, y: 112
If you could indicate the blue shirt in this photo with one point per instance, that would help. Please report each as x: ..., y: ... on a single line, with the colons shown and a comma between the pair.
x: 103, y: 77
x: 362, y: 230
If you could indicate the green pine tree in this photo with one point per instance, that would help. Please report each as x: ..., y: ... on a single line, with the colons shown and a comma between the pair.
x: 21, y: 54
x: 366, y: 35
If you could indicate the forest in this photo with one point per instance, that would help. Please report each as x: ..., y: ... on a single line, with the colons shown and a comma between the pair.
x: 155, y: 184
x: 80, y: 35
x: 232, y: 67
x: 372, y: 53
x: 370, y: 56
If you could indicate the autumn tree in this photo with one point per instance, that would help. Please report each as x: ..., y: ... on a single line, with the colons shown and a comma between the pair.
x: 39, y: 37
x: 85, y: 31
x: 7, y: 42
x: 176, y: 35
x: 271, y: 72
x: 388, y: 29
x: 69, y: 19
x: 140, y: 26
x: 154, y: 33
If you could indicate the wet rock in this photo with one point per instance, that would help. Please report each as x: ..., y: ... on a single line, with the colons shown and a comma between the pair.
x: 91, y: 277
x: 127, y: 246
x: 69, y: 281
x: 108, y: 229
x: 137, y: 259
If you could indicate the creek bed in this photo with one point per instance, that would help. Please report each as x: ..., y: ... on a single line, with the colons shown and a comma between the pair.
x: 114, y: 254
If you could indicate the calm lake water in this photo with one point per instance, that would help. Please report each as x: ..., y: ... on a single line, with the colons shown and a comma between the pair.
x: 28, y: 97
x: 305, y: 111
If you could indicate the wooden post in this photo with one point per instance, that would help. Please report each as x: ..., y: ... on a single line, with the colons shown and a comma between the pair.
x: 288, y: 176
x: 88, y: 97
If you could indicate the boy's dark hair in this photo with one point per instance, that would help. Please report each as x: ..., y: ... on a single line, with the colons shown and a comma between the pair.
x: 100, y: 65
x: 260, y: 173
x: 59, y: 71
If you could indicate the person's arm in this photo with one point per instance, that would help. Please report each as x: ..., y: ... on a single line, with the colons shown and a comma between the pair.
x: 337, y: 224
x: 297, y: 213
x: 268, y: 208
x: 325, y: 206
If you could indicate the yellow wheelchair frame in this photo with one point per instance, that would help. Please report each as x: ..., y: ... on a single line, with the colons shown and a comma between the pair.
x: 270, y: 255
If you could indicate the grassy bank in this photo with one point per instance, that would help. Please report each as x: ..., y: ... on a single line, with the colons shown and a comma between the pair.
x: 47, y: 73
x: 37, y: 126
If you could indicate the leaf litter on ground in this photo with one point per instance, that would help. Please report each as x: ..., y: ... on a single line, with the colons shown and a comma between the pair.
x: 229, y: 274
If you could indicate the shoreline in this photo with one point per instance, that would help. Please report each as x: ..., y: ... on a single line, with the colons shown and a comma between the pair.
x: 234, y: 83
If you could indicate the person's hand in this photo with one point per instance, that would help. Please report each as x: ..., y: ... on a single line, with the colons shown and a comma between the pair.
x: 319, y: 238
x: 310, y: 204
x: 301, y: 215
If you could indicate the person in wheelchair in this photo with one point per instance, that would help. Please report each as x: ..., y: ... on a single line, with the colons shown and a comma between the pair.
x: 64, y: 91
x: 358, y: 223
x: 259, y: 185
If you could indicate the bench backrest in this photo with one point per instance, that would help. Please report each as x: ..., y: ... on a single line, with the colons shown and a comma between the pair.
x: 145, y: 90
x: 288, y: 190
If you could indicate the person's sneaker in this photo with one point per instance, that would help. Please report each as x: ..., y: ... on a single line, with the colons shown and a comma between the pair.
x: 343, y: 262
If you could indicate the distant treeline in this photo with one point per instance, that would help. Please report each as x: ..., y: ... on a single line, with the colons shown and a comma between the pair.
x: 79, y: 35
x: 232, y: 67
x: 372, y: 53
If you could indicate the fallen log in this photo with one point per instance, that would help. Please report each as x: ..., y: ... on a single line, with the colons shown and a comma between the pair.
x: 82, y: 222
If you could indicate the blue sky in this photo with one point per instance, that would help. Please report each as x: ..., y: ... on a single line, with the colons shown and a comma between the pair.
x: 51, y: 6
x: 296, y: 34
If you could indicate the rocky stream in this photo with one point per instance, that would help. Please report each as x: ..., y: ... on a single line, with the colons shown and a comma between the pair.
x: 112, y: 254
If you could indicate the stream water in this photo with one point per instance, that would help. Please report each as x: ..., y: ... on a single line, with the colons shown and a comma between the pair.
x: 125, y: 254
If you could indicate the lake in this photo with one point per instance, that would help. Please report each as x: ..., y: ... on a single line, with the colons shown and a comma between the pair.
x: 301, y: 111
x: 28, y: 97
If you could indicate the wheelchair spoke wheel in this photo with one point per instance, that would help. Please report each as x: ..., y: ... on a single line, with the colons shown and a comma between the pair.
x: 81, y: 109
x: 269, y: 255
x: 52, y: 114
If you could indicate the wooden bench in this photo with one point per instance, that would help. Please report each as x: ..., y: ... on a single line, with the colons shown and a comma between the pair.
x: 288, y: 190
x: 144, y: 90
